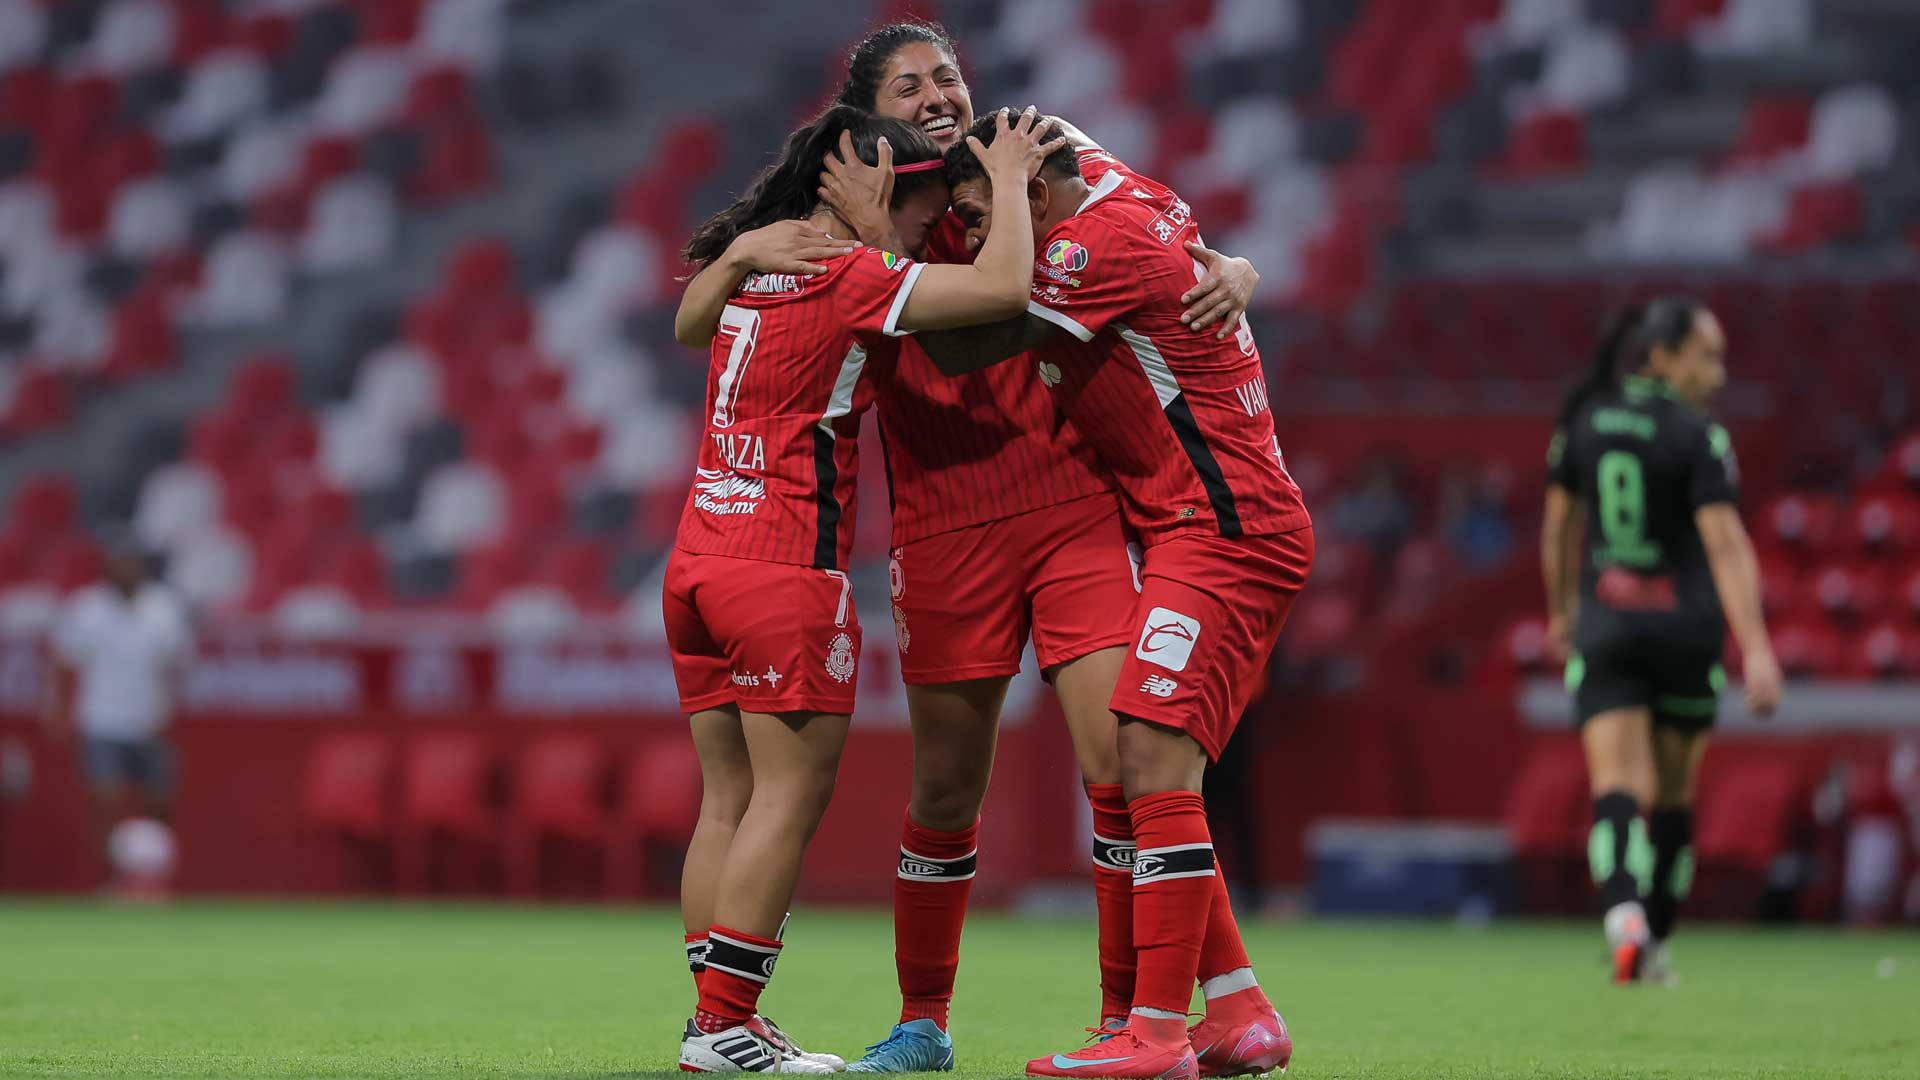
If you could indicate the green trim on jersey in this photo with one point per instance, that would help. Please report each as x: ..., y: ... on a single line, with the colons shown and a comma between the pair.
x: 1645, y: 386
x: 1717, y: 678
x: 1576, y: 671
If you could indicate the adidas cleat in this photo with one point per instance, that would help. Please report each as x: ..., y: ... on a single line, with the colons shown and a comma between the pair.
x: 833, y: 1062
x: 748, y: 1047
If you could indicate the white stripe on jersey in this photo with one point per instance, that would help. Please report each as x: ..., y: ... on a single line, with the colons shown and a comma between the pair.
x: 841, y: 403
x: 1060, y: 319
x: 891, y: 327
x: 1165, y: 386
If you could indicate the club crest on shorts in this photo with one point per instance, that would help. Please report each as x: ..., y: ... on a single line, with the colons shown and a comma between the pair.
x: 1167, y: 638
x: 900, y: 632
x: 840, y: 658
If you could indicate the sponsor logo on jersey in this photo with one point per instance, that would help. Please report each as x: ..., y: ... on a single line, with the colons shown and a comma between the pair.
x: 1159, y: 686
x: 1252, y: 395
x: 771, y: 283
x: 1163, y: 230
x: 1167, y: 638
x: 1170, y: 221
x: 1047, y: 270
x: 1049, y: 374
x: 840, y: 658
x: 1068, y: 255
x: 725, y: 493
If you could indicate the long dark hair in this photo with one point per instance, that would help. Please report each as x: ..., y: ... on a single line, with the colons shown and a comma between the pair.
x: 789, y: 188
x: 868, y: 60
x: 1629, y: 336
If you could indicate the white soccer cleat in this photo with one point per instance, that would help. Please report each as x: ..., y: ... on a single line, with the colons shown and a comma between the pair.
x: 832, y: 1062
x: 1656, y: 968
x: 1627, y: 937
x: 749, y: 1047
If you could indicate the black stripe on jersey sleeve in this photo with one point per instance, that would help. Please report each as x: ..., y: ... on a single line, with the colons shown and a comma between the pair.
x: 826, y: 539
x: 1219, y: 495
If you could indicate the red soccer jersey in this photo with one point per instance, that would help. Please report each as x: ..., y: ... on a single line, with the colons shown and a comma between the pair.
x: 787, y: 381
x: 1179, y: 418
x: 977, y: 448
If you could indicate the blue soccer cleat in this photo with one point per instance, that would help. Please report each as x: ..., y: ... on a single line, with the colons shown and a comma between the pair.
x: 915, y: 1046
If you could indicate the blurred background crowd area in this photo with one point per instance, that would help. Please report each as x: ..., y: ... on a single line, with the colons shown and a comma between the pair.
x: 358, y: 312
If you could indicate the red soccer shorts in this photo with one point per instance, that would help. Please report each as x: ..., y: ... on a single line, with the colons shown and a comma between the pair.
x: 771, y: 637
x: 1207, y: 619
x: 964, y: 602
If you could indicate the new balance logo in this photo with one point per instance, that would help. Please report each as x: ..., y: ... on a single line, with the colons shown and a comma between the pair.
x: 1159, y: 686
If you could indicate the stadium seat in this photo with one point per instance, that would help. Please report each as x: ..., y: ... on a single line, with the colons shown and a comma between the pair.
x: 1886, y: 526
x: 1548, y: 812
x: 1745, y: 820
x: 345, y: 801
x: 560, y: 793
x: 446, y: 803
x: 659, y: 804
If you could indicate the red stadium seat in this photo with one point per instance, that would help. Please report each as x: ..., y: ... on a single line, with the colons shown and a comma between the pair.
x: 1808, y: 649
x: 1746, y: 817
x: 560, y: 792
x: 1886, y: 525
x: 1850, y: 591
x: 344, y: 811
x: 1887, y: 650
x: 445, y: 802
x: 1818, y: 215
x: 1545, y: 144
x: 659, y: 806
x: 41, y: 402
x: 1547, y: 815
x: 1772, y: 126
x: 44, y: 503
x: 1800, y: 522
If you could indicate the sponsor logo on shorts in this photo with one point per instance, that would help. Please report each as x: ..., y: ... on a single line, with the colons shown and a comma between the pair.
x: 840, y: 659
x: 1159, y: 686
x: 770, y: 678
x: 1167, y: 638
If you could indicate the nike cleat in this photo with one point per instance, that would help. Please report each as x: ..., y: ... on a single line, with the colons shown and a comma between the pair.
x: 915, y: 1046
x: 748, y: 1047
x: 1124, y: 1055
x: 1254, y: 1045
x: 1111, y: 1026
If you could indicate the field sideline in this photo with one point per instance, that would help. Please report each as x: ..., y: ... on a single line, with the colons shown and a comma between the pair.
x: 446, y: 990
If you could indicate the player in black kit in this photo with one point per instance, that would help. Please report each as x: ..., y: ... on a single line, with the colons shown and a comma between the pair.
x: 1642, y: 475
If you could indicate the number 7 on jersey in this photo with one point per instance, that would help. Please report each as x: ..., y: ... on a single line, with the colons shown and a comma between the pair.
x: 743, y: 324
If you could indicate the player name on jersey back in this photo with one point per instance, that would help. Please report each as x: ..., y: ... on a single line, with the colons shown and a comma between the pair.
x: 788, y: 376
x: 1181, y: 419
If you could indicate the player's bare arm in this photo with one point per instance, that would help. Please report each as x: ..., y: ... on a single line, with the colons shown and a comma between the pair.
x: 1560, y: 530
x: 1736, y: 577
x: 970, y: 348
x: 784, y: 247
x: 995, y: 287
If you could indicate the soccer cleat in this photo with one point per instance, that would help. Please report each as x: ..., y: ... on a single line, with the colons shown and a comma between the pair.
x: 1111, y: 1026
x: 1123, y: 1055
x: 1250, y: 1045
x: 833, y: 1062
x: 915, y: 1046
x: 1626, y: 929
x: 1656, y: 967
x: 748, y: 1047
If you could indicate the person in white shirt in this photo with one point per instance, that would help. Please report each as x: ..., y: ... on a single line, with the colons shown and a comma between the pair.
x: 119, y: 651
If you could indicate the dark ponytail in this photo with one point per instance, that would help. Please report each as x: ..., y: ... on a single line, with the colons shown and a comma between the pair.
x: 789, y: 188
x: 868, y: 60
x: 1629, y: 336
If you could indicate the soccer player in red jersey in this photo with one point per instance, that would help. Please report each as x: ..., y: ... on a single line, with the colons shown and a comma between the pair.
x: 759, y: 614
x: 1181, y: 419
x: 1004, y: 528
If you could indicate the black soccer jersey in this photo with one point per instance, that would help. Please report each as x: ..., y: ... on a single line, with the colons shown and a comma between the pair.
x: 1643, y: 461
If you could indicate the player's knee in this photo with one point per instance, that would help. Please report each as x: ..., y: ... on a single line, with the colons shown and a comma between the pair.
x: 1154, y: 759
x: 946, y: 807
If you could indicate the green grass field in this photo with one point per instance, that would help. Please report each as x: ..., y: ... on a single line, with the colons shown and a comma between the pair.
x: 485, y: 991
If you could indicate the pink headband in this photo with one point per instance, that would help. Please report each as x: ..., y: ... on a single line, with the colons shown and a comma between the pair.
x: 919, y: 166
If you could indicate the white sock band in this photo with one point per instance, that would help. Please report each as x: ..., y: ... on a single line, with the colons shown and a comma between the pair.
x: 1157, y: 1014
x: 1231, y: 983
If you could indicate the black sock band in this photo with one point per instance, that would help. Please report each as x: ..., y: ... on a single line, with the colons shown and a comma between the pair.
x: 1617, y: 849
x: 1671, y: 830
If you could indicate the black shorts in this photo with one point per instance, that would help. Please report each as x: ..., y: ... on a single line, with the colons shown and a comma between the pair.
x: 1680, y: 685
x: 145, y: 764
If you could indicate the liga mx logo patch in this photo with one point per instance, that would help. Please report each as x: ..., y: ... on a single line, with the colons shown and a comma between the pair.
x: 1167, y: 638
x: 893, y: 262
x: 1068, y: 255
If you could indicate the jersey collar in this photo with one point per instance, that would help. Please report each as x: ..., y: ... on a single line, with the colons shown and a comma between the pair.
x: 1108, y: 185
x: 1646, y: 387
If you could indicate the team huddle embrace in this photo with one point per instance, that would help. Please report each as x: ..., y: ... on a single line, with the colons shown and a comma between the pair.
x: 1080, y: 454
